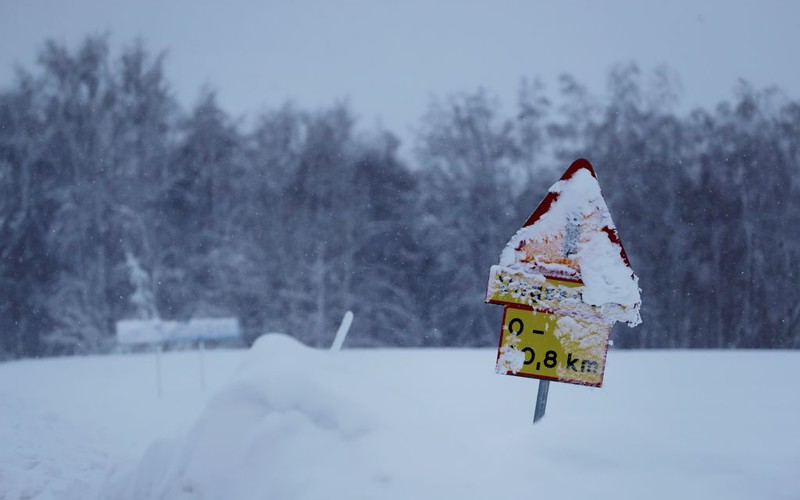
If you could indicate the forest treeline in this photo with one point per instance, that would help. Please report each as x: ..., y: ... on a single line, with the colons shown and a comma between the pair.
x: 117, y: 203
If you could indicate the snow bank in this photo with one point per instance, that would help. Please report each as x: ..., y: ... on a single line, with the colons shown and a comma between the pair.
x: 37, y: 445
x: 425, y: 424
x: 289, y: 409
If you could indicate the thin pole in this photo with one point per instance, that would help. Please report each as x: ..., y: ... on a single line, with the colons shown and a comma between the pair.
x: 341, y: 334
x: 201, y: 351
x: 541, y: 400
x: 158, y: 370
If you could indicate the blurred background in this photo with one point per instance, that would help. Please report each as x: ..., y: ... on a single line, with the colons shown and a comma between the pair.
x: 282, y: 163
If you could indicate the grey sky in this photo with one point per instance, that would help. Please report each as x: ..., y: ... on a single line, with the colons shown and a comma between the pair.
x: 390, y: 57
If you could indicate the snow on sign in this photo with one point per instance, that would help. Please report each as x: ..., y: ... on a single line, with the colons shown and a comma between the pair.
x: 155, y: 331
x: 565, y: 280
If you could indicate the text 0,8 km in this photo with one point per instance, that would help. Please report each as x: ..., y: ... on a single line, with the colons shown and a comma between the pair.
x: 550, y: 351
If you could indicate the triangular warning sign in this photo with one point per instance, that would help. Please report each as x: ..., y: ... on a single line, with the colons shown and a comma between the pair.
x: 555, y: 192
x: 571, y: 238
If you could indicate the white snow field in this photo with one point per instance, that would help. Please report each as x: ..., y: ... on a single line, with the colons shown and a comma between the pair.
x: 283, y: 421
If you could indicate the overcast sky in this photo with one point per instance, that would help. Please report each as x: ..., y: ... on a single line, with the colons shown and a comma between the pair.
x: 389, y: 57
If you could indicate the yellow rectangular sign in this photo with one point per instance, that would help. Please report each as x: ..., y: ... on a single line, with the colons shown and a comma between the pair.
x: 551, y: 346
x: 510, y: 287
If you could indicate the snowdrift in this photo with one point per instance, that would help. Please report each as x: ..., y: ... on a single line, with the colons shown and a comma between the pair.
x: 395, y: 424
x: 287, y: 426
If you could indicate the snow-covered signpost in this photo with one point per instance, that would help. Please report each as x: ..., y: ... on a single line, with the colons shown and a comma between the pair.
x: 160, y: 332
x: 564, y: 279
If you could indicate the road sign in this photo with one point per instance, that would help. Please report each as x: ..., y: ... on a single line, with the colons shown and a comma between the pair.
x: 565, y: 279
x: 155, y: 331
x: 158, y: 332
x: 554, y: 347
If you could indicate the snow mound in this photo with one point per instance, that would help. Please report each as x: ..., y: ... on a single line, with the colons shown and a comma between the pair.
x: 287, y: 426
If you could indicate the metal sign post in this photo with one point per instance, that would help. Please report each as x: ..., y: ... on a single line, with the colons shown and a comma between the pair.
x: 201, y: 351
x: 158, y: 370
x: 541, y: 400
